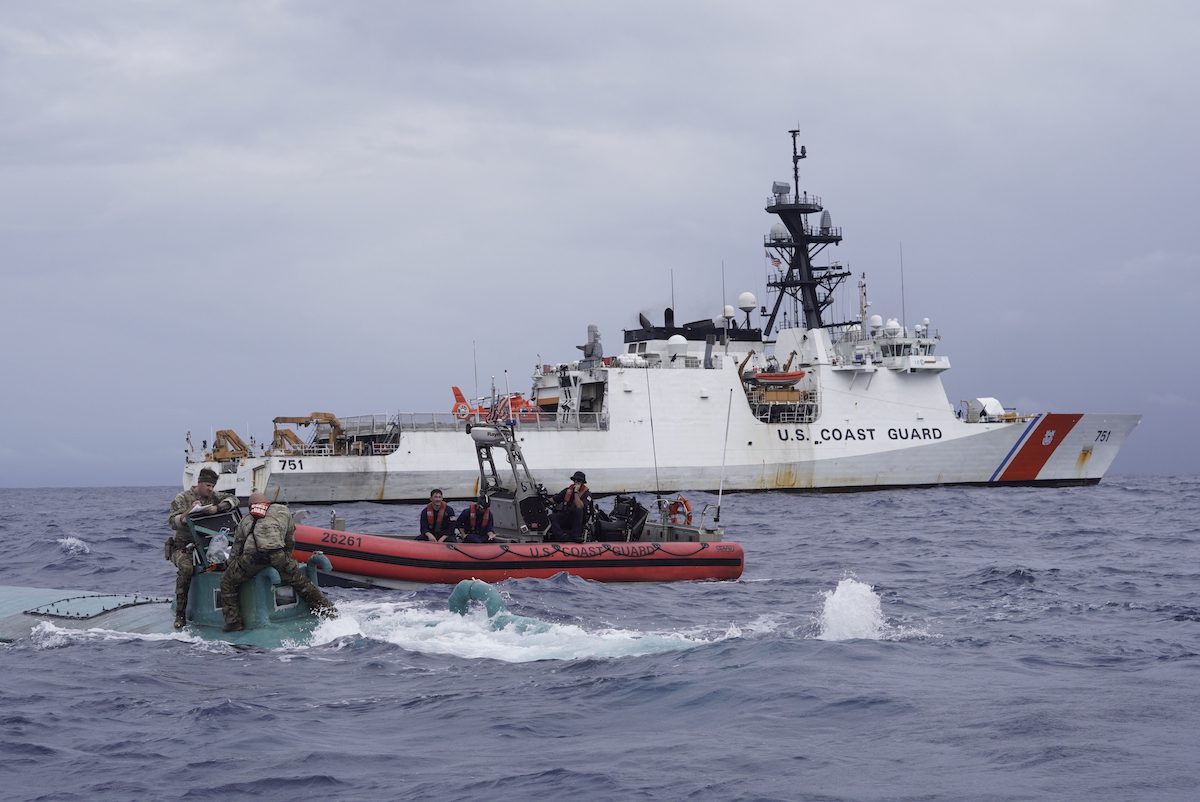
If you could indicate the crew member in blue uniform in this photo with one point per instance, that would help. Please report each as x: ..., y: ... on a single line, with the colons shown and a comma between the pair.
x: 573, y: 504
x: 437, y: 520
x: 474, y: 524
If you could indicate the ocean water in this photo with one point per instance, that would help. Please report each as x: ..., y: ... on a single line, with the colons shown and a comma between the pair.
x: 940, y: 644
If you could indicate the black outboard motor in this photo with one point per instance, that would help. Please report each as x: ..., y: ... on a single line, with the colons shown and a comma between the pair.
x: 624, y: 523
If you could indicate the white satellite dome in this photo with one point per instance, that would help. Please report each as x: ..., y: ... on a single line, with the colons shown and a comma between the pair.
x: 747, y: 302
x: 728, y: 312
x: 875, y: 321
x: 779, y: 232
x: 677, y: 346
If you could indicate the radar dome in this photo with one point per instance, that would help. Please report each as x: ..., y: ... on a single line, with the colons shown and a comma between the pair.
x: 875, y: 321
x: 779, y: 232
x: 486, y: 435
x: 677, y: 346
x: 728, y: 312
x: 747, y: 302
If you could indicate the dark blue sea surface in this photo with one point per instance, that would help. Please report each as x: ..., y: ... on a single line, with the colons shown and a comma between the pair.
x: 940, y: 644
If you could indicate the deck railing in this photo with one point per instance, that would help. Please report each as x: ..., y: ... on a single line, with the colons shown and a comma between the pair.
x: 548, y: 421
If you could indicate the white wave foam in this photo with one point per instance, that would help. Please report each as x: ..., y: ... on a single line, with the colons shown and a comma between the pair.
x: 854, y: 611
x: 432, y: 631
x: 46, y: 635
x: 473, y: 635
x: 73, y: 545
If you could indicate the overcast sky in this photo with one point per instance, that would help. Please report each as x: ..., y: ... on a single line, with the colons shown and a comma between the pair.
x: 215, y: 213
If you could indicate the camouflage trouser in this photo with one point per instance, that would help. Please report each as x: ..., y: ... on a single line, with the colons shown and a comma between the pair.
x: 242, y: 568
x: 183, y: 578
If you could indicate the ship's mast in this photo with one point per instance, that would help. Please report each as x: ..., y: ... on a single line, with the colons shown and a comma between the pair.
x: 811, y: 285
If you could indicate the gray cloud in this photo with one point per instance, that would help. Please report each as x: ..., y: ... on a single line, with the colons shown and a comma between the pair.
x: 360, y: 195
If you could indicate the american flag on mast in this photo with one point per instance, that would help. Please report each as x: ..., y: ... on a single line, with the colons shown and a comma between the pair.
x: 775, y: 260
x: 501, y: 410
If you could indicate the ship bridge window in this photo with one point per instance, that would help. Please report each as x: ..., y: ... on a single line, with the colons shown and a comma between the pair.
x: 631, y: 349
x: 641, y: 348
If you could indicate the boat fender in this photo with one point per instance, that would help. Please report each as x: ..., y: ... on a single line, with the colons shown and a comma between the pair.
x: 680, y: 512
x: 470, y: 590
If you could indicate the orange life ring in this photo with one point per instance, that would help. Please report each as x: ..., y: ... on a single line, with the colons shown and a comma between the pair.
x: 461, y: 411
x: 680, y: 511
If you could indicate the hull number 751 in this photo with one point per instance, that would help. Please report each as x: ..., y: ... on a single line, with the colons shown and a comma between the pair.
x: 291, y: 464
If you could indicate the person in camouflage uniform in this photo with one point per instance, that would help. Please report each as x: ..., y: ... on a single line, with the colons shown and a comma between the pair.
x: 200, y: 500
x: 266, y: 538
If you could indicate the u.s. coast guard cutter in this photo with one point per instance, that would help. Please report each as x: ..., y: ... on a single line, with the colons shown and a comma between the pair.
x: 803, y: 403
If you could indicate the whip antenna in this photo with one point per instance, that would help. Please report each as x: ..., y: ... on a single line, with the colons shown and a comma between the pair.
x: 724, y: 449
x: 653, y: 448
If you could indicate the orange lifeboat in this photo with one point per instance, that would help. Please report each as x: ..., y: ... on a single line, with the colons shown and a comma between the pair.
x: 776, y: 379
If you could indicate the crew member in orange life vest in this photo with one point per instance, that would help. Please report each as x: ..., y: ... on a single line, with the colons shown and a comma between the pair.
x: 474, y: 524
x: 573, y: 502
x: 437, y: 520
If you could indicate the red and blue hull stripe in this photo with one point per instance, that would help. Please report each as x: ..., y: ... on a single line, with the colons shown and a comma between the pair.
x: 1041, y: 438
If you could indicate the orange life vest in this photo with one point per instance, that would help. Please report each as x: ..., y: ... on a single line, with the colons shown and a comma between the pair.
x: 569, y: 493
x: 435, y: 525
x: 483, y: 523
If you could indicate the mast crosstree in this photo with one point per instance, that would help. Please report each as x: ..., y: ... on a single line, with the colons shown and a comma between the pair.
x: 797, y: 243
